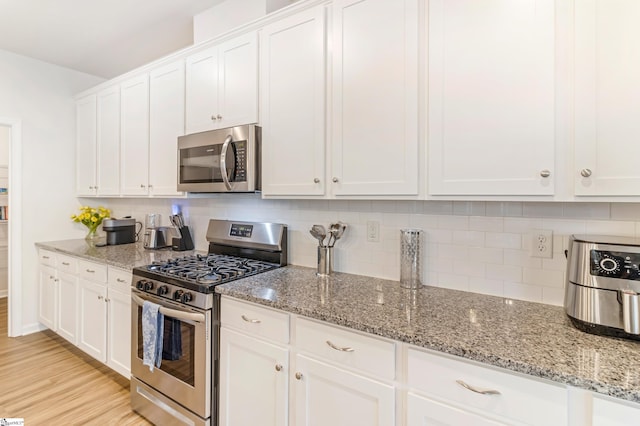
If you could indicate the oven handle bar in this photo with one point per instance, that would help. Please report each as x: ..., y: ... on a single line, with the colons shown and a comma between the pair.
x: 181, y: 315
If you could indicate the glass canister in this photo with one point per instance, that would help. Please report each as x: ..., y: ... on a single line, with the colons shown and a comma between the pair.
x: 410, y: 258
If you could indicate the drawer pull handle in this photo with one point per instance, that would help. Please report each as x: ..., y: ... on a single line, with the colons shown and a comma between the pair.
x: 476, y: 390
x: 120, y: 280
x: 345, y: 349
x: 66, y: 263
x: 91, y: 271
x: 251, y: 320
x: 46, y: 257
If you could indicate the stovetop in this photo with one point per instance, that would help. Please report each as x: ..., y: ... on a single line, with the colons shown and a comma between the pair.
x: 201, y: 273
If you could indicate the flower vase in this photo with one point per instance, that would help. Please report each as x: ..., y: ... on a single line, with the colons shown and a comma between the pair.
x: 92, y: 235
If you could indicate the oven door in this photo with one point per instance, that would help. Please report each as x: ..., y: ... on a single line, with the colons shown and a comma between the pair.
x: 185, y: 371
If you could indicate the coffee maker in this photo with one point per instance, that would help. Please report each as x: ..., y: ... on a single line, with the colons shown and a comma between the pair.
x: 121, y: 231
x: 156, y: 236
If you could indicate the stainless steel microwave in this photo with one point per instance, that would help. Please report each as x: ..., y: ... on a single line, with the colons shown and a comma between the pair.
x: 222, y: 160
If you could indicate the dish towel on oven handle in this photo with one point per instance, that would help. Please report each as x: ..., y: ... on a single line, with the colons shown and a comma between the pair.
x: 152, y: 334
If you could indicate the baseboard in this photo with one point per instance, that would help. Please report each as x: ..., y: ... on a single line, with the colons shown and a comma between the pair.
x: 32, y: 328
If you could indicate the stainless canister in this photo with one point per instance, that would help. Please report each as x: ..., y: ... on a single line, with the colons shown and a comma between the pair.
x: 410, y: 258
x: 325, y: 261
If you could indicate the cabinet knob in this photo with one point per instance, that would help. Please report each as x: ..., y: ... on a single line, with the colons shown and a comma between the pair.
x: 142, y: 186
x: 334, y: 180
x: 219, y: 117
x: 213, y: 118
x: 278, y: 367
x: 100, y: 297
x: 298, y: 376
x: 585, y: 172
x: 545, y: 173
x: 150, y: 186
x: 316, y: 180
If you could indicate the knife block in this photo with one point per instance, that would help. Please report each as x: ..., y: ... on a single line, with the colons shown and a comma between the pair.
x: 185, y: 242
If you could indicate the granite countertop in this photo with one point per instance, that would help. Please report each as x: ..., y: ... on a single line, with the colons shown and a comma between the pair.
x: 126, y: 256
x: 525, y: 337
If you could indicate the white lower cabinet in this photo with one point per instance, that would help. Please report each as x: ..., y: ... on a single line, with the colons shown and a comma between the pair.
x: 82, y: 305
x: 609, y: 412
x: 444, y: 390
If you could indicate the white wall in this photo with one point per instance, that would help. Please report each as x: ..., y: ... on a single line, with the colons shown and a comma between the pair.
x: 231, y: 14
x: 40, y: 95
x: 481, y: 247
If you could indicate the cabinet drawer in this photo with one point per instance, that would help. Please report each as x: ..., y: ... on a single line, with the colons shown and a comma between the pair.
x: 46, y: 257
x: 524, y: 399
x: 92, y: 271
x: 68, y: 264
x: 250, y: 318
x: 347, y: 348
x: 119, y: 279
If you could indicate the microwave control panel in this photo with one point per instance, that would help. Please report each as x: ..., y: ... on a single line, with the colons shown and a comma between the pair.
x: 240, y: 150
x: 613, y: 264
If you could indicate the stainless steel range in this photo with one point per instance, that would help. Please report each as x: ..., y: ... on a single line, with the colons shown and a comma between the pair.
x: 184, y: 388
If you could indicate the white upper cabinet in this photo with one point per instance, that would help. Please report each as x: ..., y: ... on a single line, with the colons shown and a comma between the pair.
x: 86, y: 145
x: 607, y: 98
x: 491, y: 95
x: 134, y: 142
x: 292, y: 104
x: 108, y: 137
x: 222, y: 85
x: 166, y: 117
x: 375, y: 98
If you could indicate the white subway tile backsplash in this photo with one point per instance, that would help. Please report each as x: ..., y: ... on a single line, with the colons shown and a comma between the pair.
x: 503, y: 240
x: 474, y: 246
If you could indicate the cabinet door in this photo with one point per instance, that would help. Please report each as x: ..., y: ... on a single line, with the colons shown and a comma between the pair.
x: 202, y: 91
x: 166, y: 123
x: 375, y: 97
x: 607, y: 129
x: 119, y: 330
x: 47, y: 296
x: 238, y: 81
x: 93, y: 320
x: 327, y: 395
x: 86, y: 110
x: 134, y: 142
x: 68, y: 307
x: 292, y: 93
x: 253, y: 373
x: 491, y: 97
x: 108, y: 136
x: 426, y: 412
x: 607, y: 412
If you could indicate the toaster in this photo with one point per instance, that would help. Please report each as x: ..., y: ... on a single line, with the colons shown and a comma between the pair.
x: 602, y: 291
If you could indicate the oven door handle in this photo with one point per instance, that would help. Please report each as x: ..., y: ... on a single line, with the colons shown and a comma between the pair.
x: 173, y: 313
x: 223, y: 162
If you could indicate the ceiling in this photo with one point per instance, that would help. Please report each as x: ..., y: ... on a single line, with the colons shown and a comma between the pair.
x: 100, y: 37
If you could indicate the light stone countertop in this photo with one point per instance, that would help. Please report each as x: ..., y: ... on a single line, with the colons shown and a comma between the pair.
x: 530, y: 338
x: 525, y: 337
x: 125, y: 256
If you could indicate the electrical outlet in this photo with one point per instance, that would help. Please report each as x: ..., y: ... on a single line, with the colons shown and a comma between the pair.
x: 542, y: 243
x: 373, y: 231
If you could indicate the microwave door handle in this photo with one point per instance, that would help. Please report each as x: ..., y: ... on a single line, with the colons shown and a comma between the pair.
x: 185, y: 316
x: 223, y: 162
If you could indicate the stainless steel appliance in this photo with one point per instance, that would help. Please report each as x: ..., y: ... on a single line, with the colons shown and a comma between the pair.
x: 156, y: 236
x: 184, y: 389
x: 223, y: 160
x: 121, y: 231
x: 602, y: 294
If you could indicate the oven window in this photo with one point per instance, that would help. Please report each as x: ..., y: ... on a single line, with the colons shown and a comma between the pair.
x: 178, y: 348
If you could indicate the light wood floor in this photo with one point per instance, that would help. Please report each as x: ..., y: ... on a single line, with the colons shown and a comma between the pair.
x: 48, y: 381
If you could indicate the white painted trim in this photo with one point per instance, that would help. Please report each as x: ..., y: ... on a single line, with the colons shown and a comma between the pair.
x: 15, y: 228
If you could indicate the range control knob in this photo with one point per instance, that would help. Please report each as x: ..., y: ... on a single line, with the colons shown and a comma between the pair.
x: 148, y: 285
x: 186, y: 297
x: 178, y: 295
x: 140, y: 285
x: 162, y: 290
